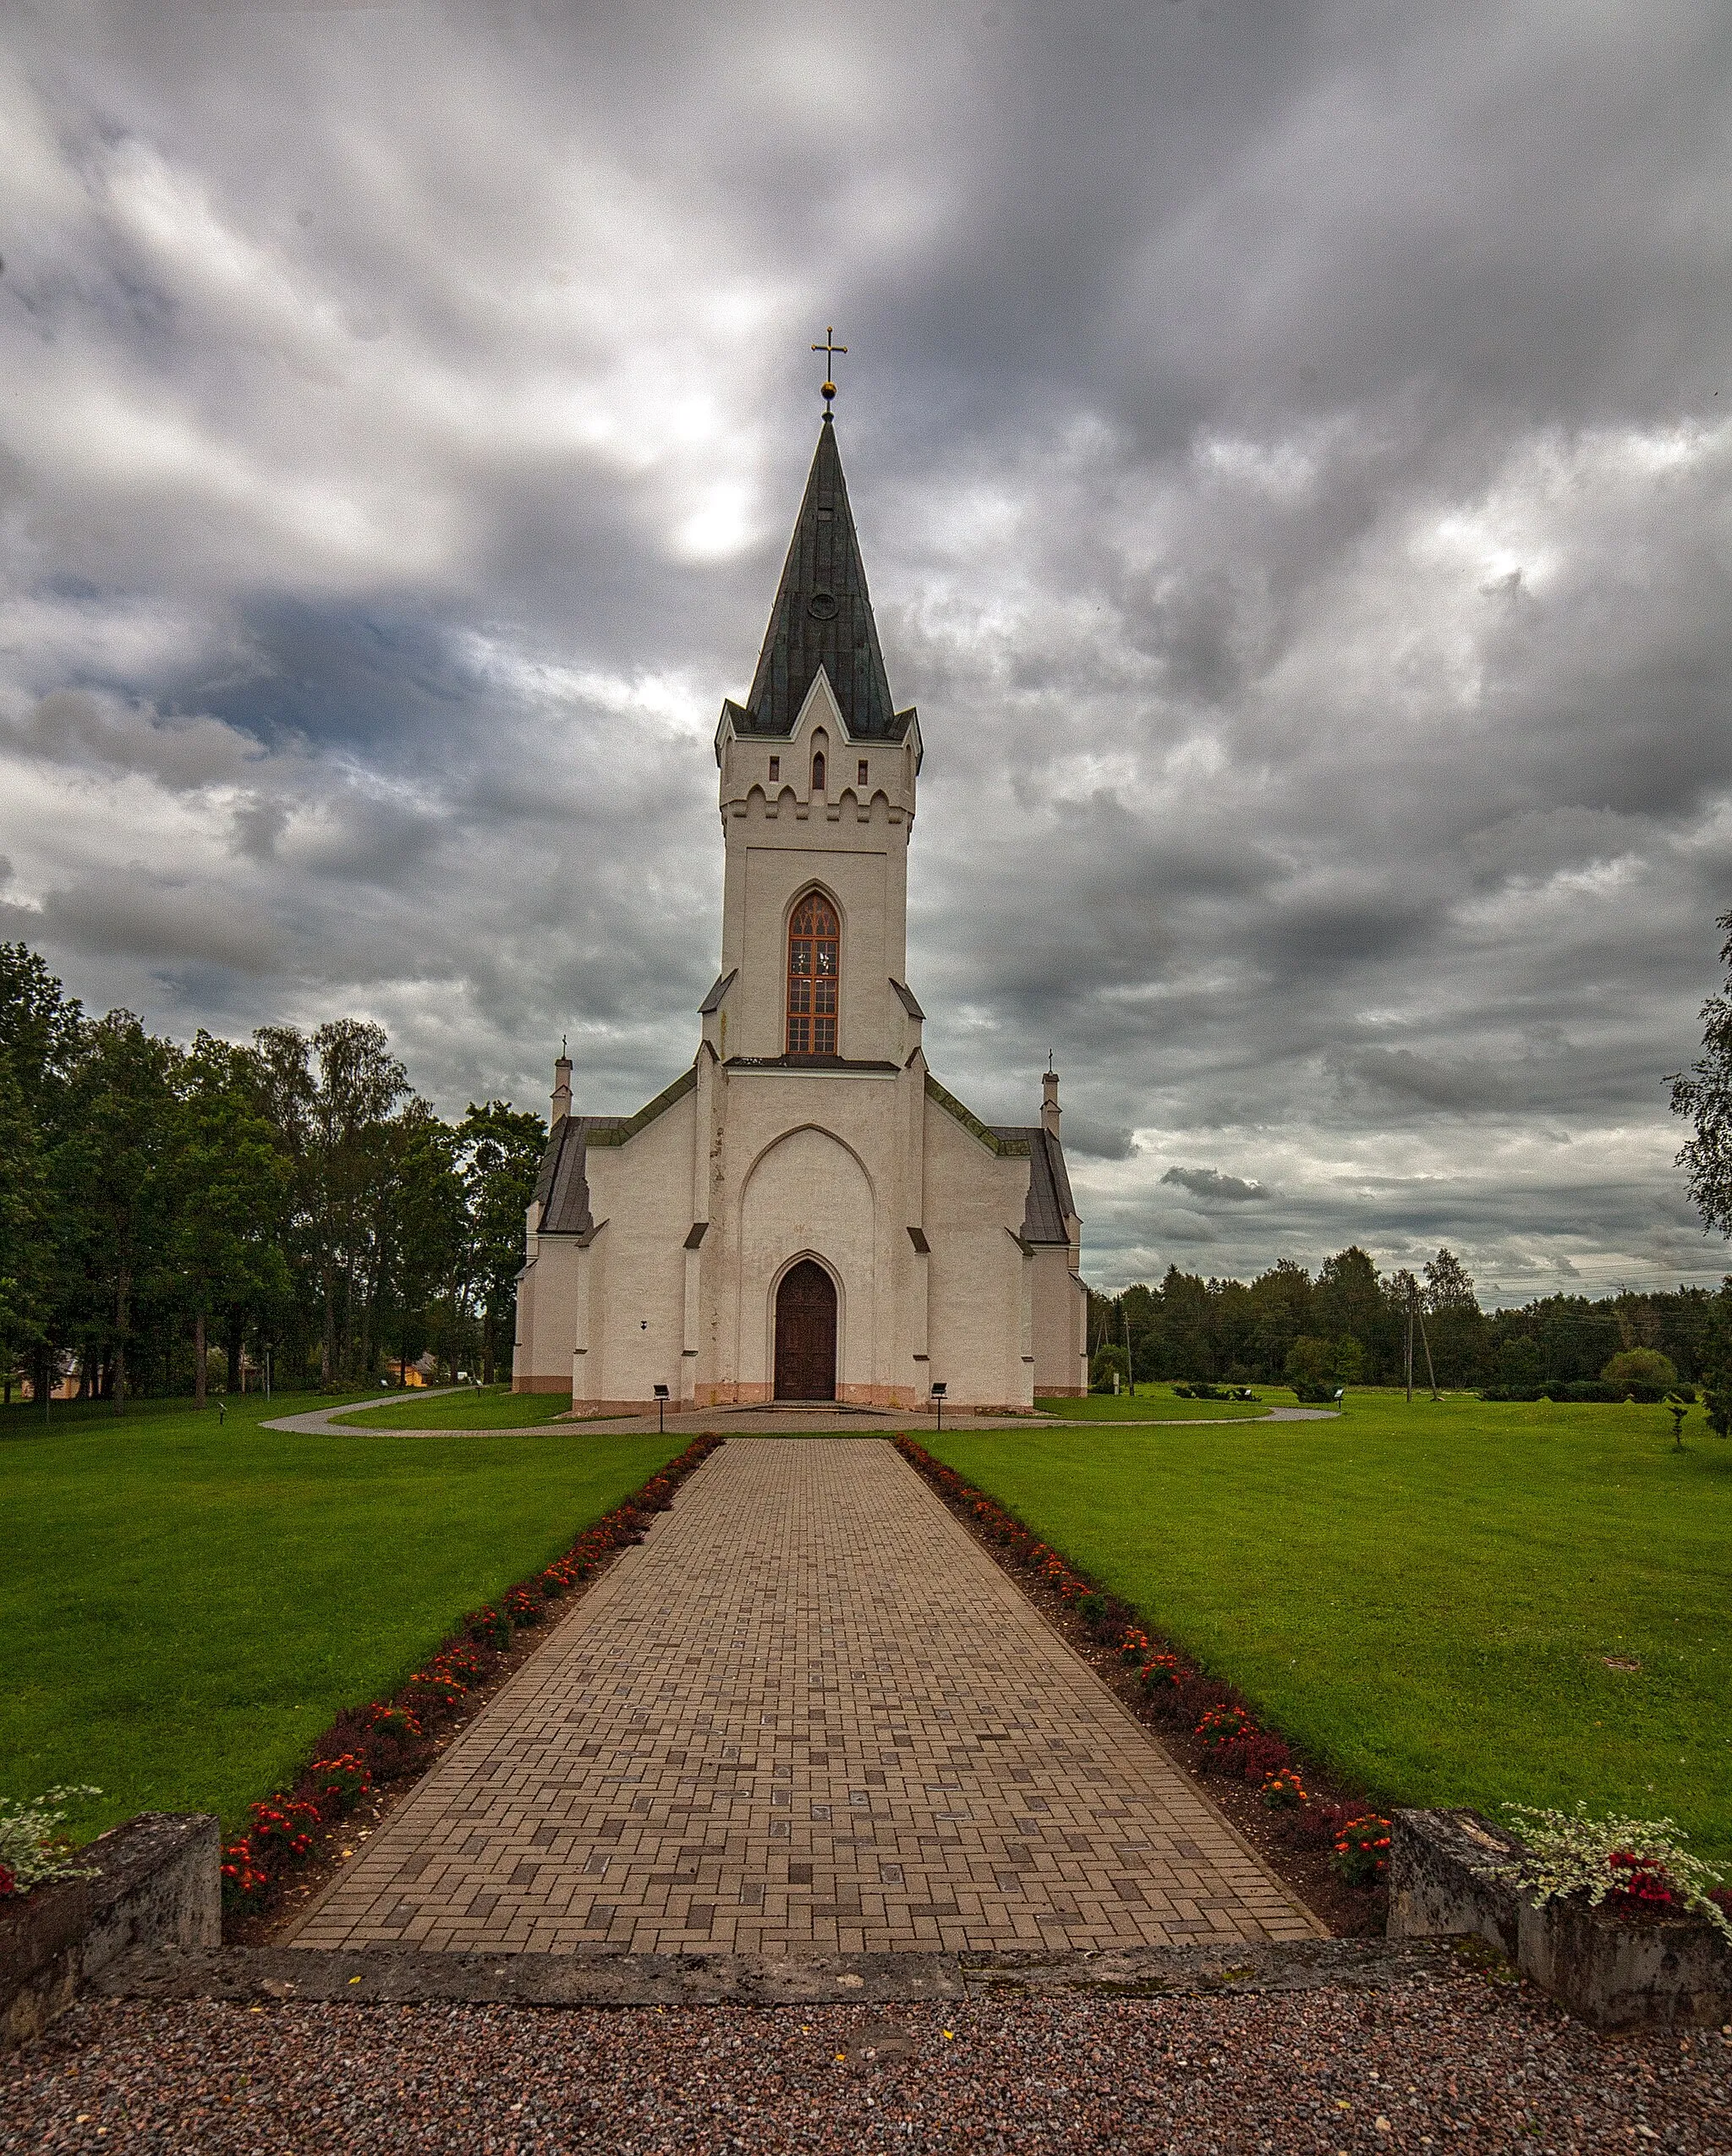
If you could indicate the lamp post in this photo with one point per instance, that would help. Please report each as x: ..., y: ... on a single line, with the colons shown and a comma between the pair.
x: 661, y: 1410
x: 938, y: 1392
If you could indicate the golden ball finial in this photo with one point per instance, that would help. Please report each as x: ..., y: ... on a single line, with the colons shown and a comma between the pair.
x: 828, y: 390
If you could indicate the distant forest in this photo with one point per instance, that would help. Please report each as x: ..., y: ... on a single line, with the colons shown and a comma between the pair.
x: 1232, y: 1332
x: 171, y: 1217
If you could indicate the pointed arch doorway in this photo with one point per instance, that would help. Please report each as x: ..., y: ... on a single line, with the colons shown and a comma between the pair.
x: 805, y: 1334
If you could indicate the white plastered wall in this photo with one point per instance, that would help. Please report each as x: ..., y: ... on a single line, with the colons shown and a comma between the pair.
x: 980, y: 1275
x: 547, y: 1314
x: 782, y: 839
x: 808, y: 1163
x: 640, y: 1196
x: 1061, y: 1324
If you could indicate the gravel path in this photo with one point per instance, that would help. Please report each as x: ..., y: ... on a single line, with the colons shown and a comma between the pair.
x: 764, y: 1422
x: 1467, y: 2064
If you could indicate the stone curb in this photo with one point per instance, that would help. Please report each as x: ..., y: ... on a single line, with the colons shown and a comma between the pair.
x: 153, y: 1881
x: 1448, y: 1878
x: 399, y: 1976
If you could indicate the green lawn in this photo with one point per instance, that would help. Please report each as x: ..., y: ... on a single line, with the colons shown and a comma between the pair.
x: 1425, y: 1596
x: 494, y: 1406
x: 188, y: 1605
x: 1158, y: 1403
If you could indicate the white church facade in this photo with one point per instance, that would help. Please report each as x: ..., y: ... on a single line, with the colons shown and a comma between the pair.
x: 806, y: 1213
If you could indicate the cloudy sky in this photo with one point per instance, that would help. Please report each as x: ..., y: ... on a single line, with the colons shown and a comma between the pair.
x: 1291, y: 444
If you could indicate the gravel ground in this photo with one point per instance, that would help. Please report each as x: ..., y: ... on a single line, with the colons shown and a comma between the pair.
x: 1465, y: 2064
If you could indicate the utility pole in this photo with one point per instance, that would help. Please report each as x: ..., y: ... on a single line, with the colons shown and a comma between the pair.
x: 1412, y: 1296
x: 1130, y: 1372
x: 1430, y: 1367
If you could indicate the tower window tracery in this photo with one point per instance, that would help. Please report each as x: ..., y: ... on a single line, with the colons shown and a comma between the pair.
x: 814, y: 971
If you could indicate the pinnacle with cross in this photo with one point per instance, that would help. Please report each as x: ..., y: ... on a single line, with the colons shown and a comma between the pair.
x: 830, y: 349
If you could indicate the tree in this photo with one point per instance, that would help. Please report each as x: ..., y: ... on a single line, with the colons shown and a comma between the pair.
x: 423, y: 1224
x: 1349, y: 1296
x: 1716, y: 1395
x: 1704, y: 1094
x: 331, y: 1096
x: 1106, y: 1364
x: 109, y: 1170
x: 500, y: 1151
x: 1457, y: 1333
x: 296, y: 1191
x: 39, y: 1033
x: 1311, y: 1367
x: 1640, y: 1366
x: 225, y: 1183
x: 1282, y: 1299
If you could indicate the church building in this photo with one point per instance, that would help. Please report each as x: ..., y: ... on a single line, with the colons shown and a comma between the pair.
x: 806, y: 1214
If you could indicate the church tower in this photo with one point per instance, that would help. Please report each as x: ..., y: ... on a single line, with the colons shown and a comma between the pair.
x: 807, y: 1214
x: 818, y: 778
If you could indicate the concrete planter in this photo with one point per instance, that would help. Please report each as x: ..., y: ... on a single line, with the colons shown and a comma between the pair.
x: 158, y: 1883
x: 1613, y: 1974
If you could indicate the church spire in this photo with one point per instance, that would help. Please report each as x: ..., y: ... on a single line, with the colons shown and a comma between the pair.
x: 823, y: 618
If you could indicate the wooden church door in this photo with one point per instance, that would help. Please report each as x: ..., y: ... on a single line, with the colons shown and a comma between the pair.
x: 805, y: 1334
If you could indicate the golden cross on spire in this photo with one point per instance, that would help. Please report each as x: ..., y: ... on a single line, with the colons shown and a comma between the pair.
x: 830, y: 348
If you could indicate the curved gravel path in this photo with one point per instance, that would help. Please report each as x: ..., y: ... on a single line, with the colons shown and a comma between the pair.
x: 1467, y: 2064
x: 780, y: 1422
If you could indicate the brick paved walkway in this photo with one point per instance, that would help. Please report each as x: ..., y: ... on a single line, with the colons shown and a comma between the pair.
x: 807, y: 1713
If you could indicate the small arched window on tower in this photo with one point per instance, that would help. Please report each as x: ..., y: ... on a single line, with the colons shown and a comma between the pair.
x: 817, y: 770
x: 815, y: 967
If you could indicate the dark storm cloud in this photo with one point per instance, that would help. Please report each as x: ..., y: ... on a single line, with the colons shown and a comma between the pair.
x: 1290, y: 449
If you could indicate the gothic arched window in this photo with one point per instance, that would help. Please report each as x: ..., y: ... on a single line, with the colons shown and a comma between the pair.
x: 815, y: 967
x: 818, y: 772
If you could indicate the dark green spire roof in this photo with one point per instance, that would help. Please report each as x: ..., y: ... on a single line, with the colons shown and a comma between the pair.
x: 822, y: 617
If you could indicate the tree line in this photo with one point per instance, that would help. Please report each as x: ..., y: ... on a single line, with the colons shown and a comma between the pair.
x: 166, y: 1209
x: 1349, y: 1323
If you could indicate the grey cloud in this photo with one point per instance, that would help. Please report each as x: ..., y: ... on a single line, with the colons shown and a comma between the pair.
x: 1425, y: 1079
x: 1291, y: 481
x: 1090, y: 1140
x: 1211, y: 1183
x: 73, y: 727
x: 137, y: 915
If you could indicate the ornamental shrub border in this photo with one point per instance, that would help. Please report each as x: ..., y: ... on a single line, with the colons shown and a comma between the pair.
x: 1231, y: 1742
x: 388, y: 1740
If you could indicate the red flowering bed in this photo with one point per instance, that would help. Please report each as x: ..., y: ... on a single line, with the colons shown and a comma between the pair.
x: 1224, y: 1735
x: 388, y: 1739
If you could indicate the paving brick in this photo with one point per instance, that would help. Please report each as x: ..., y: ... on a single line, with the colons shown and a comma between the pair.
x: 808, y: 1712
